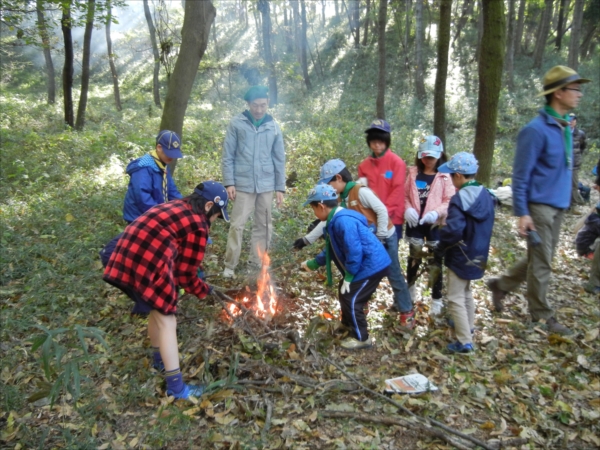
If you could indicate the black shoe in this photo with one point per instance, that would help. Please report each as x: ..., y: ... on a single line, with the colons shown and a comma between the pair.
x: 557, y: 328
x: 497, y: 293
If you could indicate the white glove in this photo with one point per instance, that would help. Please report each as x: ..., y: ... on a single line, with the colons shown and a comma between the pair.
x: 363, y: 181
x: 430, y: 217
x: 345, y: 287
x: 412, y: 217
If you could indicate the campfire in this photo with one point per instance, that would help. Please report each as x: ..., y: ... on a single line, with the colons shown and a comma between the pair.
x: 263, y: 303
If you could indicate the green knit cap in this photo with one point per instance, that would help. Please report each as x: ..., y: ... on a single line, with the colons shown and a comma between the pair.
x: 256, y: 92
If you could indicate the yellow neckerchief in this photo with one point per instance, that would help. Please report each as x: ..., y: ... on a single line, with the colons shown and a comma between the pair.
x: 162, y: 166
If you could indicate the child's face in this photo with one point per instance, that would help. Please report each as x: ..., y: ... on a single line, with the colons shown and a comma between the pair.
x: 337, y: 183
x: 164, y: 158
x: 207, y: 207
x: 429, y: 162
x: 457, y: 180
x: 377, y: 147
x: 320, y: 211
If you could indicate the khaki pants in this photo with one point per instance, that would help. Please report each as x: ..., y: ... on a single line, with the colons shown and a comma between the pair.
x: 243, y: 206
x: 461, y: 307
x: 576, y: 198
x: 536, y: 267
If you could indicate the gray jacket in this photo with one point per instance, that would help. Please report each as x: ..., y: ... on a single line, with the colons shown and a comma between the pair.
x: 253, y: 159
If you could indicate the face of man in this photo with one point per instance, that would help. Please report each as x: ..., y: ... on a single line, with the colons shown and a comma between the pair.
x: 567, y: 98
x: 258, y: 107
x: 161, y: 154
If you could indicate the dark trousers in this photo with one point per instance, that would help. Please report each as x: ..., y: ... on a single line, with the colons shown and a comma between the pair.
x: 426, y: 233
x: 353, y: 304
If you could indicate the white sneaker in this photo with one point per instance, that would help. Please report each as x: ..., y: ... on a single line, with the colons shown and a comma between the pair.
x: 228, y: 273
x: 436, y: 307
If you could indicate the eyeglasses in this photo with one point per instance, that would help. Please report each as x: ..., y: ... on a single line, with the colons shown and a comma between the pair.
x: 571, y: 89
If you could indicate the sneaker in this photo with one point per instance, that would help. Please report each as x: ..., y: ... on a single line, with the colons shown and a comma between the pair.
x: 228, y: 273
x: 351, y: 343
x: 497, y: 293
x: 187, y: 392
x: 558, y: 328
x: 407, y: 319
x: 451, y: 325
x: 457, y: 347
x: 436, y: 307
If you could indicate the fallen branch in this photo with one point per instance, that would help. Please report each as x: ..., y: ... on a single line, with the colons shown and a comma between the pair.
x: 267, y: 426
x: 245, y: 326
x: 222, y: 296
x: 400, y: 422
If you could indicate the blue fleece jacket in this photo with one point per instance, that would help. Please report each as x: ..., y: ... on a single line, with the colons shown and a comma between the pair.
x: 356, y: 250
x: 540, y: 171
x: 145, y: 187
x: 466, y: 236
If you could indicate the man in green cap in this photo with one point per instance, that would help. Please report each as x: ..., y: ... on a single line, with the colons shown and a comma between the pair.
x: 253, y: 166
x: 541, y: 184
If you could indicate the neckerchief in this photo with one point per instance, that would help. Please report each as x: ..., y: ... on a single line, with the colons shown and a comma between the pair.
x: 568, y: 133
x: 162, y: 166
x: 380, y: 156
x: 470, y: 183
x: 344, y: 195
x: 328, y: 248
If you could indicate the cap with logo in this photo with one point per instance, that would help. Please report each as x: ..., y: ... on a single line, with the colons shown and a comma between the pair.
x: 321, y: 193
x: 215, y: 192
x: 170, y: 143
x: 558, y: 77
x: 430, y: 146
x: 463, y: 163
x: 379, y: 124
x: 330, y: 169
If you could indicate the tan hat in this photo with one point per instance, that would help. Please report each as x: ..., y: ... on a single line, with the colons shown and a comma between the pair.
x: 559, y: 77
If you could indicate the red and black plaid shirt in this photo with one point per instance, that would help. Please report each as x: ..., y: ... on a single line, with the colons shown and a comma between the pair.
x: 160, y: 250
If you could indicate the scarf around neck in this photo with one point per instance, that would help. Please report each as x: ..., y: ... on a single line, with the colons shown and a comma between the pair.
x: 567, y: 133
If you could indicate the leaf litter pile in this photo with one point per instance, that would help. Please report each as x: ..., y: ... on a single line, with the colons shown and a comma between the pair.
x: 281, y: 380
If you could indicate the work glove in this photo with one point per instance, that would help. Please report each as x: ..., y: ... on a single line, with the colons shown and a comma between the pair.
x: 412, y: 217
x: 430, y: 218
x: 299, y: 244
x: 310, y: 265
x: 345, y: 287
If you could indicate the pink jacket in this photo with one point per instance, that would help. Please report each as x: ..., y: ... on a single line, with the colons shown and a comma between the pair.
x: 440, y: 193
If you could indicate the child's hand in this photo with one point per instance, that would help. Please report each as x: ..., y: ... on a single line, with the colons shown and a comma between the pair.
x: 431, y: 217
x: 412, y: 217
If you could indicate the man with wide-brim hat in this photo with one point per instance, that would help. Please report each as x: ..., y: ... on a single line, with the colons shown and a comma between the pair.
x: 541, y: 183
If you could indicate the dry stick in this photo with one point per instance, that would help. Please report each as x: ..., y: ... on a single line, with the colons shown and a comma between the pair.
x: 401, y: 422
x: 409, y: 412
x: 267, y: 426
x: 222, y: 296
x: 246, y: 326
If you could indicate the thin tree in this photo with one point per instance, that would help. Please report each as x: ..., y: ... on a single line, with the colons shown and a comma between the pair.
x: 195, y: 34
x: 575, y: 35
x: 439, y: 101
x: 420, y: 70
x: 380, y: 104
x: 590, y: 20
x: 67, y: 77
x: 355, y: 21
x: 304, y: 46
x: 490, y: 83
x: 510, y: 45
x: 264, y: 8
x: 43, y: 31
x: 111, y: 56
x: 85, y: 65
x: 561, y: 24
x: 367, y: 20
x: 540, y: 45
x: 152, y: 30
x: 520, y: 26
x: 466, y: 12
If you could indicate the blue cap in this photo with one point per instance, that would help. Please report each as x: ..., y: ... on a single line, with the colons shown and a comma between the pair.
x: 463, y: 163
x: 330, y: 169
x: 430, y: 146
x: 215, y: 192
x: 380, y: 124
x: 320, y: 193
x: 170, y: 143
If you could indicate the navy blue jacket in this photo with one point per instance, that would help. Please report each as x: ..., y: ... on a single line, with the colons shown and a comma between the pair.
x: 466, y: 236
x: 356, y: 250
x: 588, y: 234
x: 145, y: 187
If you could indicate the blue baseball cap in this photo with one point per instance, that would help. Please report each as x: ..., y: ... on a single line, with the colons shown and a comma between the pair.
x: 379, y: 124
x: 330, y: 169
x: 320, y: 193
x: 170, y: 143
x: 215, y: 192
x: 463, y: 163
x: 430, y: 146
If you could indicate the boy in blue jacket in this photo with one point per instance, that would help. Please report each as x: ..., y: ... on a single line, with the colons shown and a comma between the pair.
x: 465, y: 243
x: 150, y: 182
x: 358, y: 255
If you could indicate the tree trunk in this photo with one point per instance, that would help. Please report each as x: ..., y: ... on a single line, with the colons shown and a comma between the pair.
x: 85, y: 65
x: 194, y: 39
x: 264, y: 8
x: 575, y: 35
x: 380, y: 103
x: 510, y: 47
x: 407, y: 26
x: 419, y: 71
x: 591, y: 17
x: 355, y: 21
x: 587, y: 40
x: 479, y: 30
x: 303, y: 46
x: 323, y: 13
x: 111, y: 57
x: 367, y: 20
x: 439, y: 103
x: 467, y: 10
x: 65, y: 24
x: 490, y: 83
x: 560, y: 26
x: 152, y: 31
x: 540, y: 45
x: 520, y: 24
x: 43, y: 30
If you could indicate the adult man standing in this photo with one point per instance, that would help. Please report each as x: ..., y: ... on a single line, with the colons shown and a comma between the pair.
x: 579, y: 145
x: 541, y: 185
x: 253, y: 166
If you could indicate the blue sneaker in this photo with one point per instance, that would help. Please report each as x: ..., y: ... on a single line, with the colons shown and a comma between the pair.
x: 457, y: 347
x: 187, y: 392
